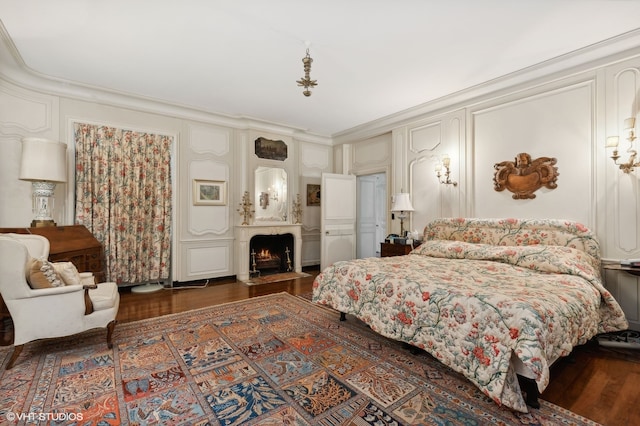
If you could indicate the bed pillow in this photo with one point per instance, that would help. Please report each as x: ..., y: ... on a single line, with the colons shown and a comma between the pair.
x: 67, y: 272
x: 42, y: 274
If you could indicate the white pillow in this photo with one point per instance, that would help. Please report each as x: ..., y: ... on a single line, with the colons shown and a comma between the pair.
x: 67, y: 272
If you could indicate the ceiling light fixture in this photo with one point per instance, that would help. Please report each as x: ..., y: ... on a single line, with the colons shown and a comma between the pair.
x: 306, y: 81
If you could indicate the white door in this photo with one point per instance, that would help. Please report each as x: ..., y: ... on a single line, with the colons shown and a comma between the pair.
x: 338, y: 218
x: 371, y: 213
x: 381, y: 209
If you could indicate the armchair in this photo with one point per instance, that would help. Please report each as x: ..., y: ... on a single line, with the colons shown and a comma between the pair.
x: 50, y: 312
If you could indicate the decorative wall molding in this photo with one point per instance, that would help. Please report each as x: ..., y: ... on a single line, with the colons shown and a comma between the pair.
x: 625, y: 103
x: 375, y: 152
x: 204, y: 220
x: 314, y: 156
x: 205, y: 139
x: 25, y: 112
x: 425, y: 137
x: 206, y: 259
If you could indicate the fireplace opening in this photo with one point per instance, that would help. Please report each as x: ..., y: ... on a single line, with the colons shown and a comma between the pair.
x: 271, y: 254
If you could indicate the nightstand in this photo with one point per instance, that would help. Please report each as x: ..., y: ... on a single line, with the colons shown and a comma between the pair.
x: 388, y: 249
x: 618, y: 267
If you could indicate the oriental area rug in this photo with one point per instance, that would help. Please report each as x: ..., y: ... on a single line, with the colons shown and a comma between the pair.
x: 270, y: 360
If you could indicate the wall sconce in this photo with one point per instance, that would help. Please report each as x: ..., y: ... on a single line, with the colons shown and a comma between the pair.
x: 44, y: 163
x: 445, y: 177
x: 274, y: 193
x: 402, y: 205
x: 264, y: 199
x: 612, y: 142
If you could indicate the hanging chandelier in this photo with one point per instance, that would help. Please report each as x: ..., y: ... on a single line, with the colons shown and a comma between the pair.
x: 306, y: 81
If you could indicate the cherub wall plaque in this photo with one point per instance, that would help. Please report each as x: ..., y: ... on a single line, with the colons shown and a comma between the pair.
x: 525, y: 176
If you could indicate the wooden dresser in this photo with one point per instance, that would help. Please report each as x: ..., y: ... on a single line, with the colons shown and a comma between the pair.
x: 73, y: 244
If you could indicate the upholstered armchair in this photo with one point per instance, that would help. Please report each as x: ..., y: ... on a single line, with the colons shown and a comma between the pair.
x: 52, y: 310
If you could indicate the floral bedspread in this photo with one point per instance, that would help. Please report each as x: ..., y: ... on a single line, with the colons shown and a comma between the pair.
x: 474, y: 306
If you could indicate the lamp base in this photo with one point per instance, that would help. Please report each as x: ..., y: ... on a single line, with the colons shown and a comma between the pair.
x: 147, y: 288
x: 35, y: 223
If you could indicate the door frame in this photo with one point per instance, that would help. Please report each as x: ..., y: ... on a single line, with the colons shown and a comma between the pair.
x: 386, y: 206
x: 373, y: 171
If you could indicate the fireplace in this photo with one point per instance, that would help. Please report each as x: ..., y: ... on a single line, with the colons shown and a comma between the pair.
x: 271, y: 254
x: 245, y: 233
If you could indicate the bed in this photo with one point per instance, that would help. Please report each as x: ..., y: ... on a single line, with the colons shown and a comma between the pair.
x: 494, y: 299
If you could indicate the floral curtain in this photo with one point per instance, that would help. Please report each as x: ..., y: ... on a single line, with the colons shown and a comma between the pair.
x: 123, y: 196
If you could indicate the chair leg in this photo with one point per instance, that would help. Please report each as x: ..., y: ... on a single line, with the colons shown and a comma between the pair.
x: 110, y: 327
x: 14, y: 356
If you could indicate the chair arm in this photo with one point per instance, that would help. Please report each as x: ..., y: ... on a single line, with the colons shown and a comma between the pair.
x: 88, y: 304
x: 52, y: 291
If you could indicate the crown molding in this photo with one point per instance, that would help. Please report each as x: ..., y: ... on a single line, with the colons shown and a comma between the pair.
x: 16, y: 72
x: 603, y: 53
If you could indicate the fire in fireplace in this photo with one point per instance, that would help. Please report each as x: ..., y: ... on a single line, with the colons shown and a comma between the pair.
x: 271, y: 254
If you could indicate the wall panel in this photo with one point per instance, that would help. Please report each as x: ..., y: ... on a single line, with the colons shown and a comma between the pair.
x: 206, y: 260
x: 556, y: 123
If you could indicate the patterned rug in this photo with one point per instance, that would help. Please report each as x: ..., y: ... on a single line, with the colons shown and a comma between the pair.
x: 274, y: 278
x: 271, y: 360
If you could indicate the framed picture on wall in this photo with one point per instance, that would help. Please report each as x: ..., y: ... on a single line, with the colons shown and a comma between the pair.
x: 209, y: 192
x: 313, y: 195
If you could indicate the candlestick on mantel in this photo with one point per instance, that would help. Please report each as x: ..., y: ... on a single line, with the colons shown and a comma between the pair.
x: 287, y: 251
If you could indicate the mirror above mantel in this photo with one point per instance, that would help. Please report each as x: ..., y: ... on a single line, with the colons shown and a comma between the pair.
x: 271, y: 195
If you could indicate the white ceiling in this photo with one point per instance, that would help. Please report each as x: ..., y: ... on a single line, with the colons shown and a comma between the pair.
x: 371, y: 58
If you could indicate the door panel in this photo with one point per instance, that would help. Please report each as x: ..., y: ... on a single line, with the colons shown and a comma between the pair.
x: 381, y: 209
x: 338, y: 218
x: 367, y: 220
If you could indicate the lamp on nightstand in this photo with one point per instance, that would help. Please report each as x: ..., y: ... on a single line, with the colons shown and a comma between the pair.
x: 402, y: 206
x: 44, y: 163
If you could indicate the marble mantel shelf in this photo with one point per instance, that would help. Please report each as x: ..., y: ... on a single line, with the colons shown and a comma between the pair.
x: 244, y: 233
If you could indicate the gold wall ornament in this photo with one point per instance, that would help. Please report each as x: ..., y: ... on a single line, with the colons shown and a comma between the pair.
x: 306, y: 81
x: 296, y: 210
x: 523, y: 176
x: 246, y: 211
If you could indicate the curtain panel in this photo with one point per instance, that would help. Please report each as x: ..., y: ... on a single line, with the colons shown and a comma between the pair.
x: 123, y: 196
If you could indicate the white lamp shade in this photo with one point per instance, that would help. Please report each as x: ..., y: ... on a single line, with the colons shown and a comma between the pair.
x: 43, y: 160
x: 402, y: 203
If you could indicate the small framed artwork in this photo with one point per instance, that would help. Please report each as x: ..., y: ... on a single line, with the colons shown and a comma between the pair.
x: 313, y: 195
x: 209, y: 192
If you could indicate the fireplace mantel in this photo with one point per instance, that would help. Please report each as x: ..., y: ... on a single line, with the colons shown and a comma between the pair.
x: 244, y: 233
